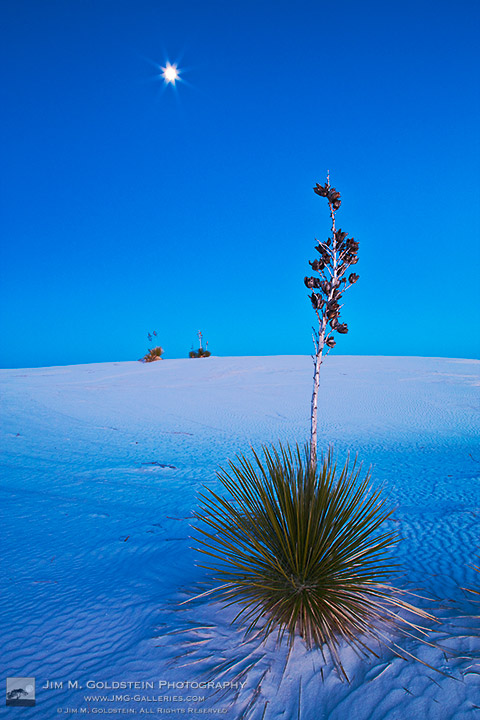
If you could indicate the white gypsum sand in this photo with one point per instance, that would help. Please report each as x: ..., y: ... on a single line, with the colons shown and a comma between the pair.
x: 101, y: 468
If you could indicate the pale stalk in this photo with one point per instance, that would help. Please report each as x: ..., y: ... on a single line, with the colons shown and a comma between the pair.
x: 319, y: 347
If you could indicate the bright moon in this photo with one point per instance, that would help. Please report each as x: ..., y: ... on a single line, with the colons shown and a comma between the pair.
x: 170, y: 73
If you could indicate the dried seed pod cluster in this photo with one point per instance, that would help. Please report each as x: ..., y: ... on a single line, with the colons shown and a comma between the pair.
x: 332, y: 195
x: 337, y: 255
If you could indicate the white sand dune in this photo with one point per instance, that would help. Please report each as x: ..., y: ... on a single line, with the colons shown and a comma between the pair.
x: 101, y: 470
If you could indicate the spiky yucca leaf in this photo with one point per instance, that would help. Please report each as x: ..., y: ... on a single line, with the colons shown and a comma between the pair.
x: 471, y: 590
x: 302, y: 552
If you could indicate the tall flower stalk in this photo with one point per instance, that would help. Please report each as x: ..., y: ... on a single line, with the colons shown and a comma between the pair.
x: 302, y: 546
x: 337, y: 255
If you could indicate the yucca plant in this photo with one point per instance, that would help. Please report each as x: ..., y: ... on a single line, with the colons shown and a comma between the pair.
x: 202, y: 351
x: 304, y: 552
x: 153, y: 354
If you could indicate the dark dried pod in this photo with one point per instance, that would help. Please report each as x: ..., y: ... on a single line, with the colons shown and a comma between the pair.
x: 312, y: 282
x: 353, y: 277
x: 317, y: 301
x: 333, y: 308
x: 333, y: 323
x: 316, y: 265
x: 342, y: 328
x: 324, y: 253
x: 326, y: 287
x: 331, y: 342
x: 321, y: 190
x: 340, y: 236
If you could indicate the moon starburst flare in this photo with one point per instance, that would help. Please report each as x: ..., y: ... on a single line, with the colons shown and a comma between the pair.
x: 170, y: 74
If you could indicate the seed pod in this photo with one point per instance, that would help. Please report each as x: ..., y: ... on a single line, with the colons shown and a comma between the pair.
x: 331, y: 342
x: 342, y: 329
x: 321, y: 190
x: 353, y: 277
x: 323, y: 252
x: 312, y: 282
x: 317, y: 301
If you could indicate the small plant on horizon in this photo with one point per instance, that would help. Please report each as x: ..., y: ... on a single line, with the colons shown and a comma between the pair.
x: 202, y: 351
x: 337, y: 255
x: 155, y: 353
x: 302, y: 549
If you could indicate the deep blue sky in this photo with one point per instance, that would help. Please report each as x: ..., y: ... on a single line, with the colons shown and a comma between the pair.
x: 129, y: 207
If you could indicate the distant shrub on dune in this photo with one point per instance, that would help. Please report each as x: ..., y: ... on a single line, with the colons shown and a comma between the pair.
x: 199, y: 353
x: 202, y: 351
x: 155, y: 353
